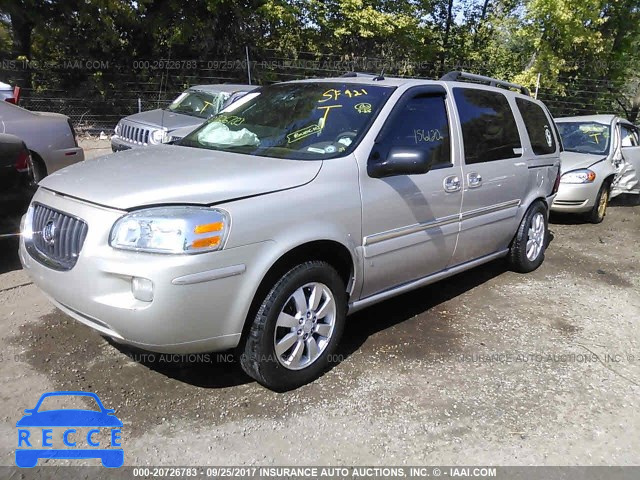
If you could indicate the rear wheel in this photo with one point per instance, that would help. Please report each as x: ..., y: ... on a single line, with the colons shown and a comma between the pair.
x: 599, y: 210
x: 296, y: 328
x: 528, y: 246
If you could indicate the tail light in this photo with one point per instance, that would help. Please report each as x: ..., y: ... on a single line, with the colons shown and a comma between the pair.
x: 73, y: 132
x: 23, y: 161
x: 16, y: 96
x: 556, y: 185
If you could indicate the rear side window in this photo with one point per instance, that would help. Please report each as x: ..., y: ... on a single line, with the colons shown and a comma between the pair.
x: 420, y: 123
x: 489, y: 129
x: 538, y: 127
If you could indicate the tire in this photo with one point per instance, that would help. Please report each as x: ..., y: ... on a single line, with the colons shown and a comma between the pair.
x: 285, y: 317
x: 527, y: 247
x: 599, y: 210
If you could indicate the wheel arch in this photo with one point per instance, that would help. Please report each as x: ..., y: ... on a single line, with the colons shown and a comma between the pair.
x: 38, y: 158
x: 333, y: 252
x: 609, y: 178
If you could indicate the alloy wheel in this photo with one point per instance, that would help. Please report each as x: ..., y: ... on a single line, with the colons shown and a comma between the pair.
x: 305, y: 326
x: 536, y: 236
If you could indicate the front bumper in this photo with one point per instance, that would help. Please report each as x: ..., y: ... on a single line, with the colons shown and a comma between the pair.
x: 118, y: 144
x: 575, y: 198
x: 199, y: 304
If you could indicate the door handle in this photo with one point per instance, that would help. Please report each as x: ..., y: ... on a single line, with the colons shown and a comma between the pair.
x: 474, y: 179
x: 452, y: 184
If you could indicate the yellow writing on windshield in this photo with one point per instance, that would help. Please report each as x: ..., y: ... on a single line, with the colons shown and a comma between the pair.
x: 205, y: 106
x: 363, y: 108
x: 323, y: 121
x: 334, y: 93
x: 230, y: 120
x: 303, y: 133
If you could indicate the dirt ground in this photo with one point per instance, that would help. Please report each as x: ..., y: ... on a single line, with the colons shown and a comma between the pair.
x: 489, y: 367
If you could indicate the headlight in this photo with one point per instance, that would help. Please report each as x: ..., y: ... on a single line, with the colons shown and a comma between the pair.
x: 159, y: 136
x: 26, y: 224
x: 117, y: 129
x: 579, y: 176
x: 172, y: 230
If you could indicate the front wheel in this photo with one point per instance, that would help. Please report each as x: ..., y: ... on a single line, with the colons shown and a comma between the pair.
x: 599, y: 210
x: 528, y: 246
x: 297, y: 327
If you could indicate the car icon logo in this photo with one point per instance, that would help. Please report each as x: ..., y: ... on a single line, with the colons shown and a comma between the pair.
x: 83, y: 432
x: 49, y: 233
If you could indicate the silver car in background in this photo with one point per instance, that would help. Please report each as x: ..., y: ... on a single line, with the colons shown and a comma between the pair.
x: 50, y: 137
x: 601, y: 160
x: 188, y: 111
x: 264, y: 227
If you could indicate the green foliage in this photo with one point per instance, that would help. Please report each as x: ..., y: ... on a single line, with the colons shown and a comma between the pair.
x: 573, y: 45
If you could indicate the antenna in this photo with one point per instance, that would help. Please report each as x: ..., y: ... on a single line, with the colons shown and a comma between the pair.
x: 162, y: 109
x: 246, y: 48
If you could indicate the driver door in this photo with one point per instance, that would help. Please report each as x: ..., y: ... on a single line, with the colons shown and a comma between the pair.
x: 628, y: 179
x: 410, y: 223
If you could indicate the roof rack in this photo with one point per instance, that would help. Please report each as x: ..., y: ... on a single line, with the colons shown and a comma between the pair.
x: 357, y: 74
x: 458, y: 76
x: 372, y: 76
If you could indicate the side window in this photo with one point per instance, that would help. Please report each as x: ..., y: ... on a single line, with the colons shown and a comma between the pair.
x: 629, y: 136
x: 489, y: 129
x: 420, y: 122
x: 538, y: 126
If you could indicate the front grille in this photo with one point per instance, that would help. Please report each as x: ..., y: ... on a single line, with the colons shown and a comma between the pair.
x: 132, y: 133
x: 57, y: 237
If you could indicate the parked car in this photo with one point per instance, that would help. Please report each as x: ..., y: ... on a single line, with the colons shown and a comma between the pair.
x: 601, y: 159
x: 15, y: 181
x: 189, y: 110
x: 264, y: 227
x: 50, y: 138
x: 9, y: 93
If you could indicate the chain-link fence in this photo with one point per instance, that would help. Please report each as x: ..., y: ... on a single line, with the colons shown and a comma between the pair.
x: 96, y: 103
x: 95, y: 117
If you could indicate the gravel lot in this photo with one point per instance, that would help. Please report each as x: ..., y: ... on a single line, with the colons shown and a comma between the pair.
x: 488, y: 367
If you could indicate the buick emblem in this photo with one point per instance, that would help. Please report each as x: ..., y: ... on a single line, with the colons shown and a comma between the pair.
x: 49, y: 233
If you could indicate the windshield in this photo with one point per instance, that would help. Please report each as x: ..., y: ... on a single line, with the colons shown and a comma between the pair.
x: 199, y: 104
x: 296, y: 121
x: 585, y: 137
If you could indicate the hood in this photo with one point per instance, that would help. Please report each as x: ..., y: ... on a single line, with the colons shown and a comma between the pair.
x: 172, y: 174
x: 574, y: 161
x: 164, y: 118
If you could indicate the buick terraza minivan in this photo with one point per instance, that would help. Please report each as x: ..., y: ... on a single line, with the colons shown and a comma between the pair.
x: 300, y: 203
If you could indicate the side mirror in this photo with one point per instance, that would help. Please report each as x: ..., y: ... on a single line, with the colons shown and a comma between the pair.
x: 399, y: 161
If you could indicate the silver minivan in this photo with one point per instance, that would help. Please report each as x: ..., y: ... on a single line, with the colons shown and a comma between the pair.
x: 296, y: 205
